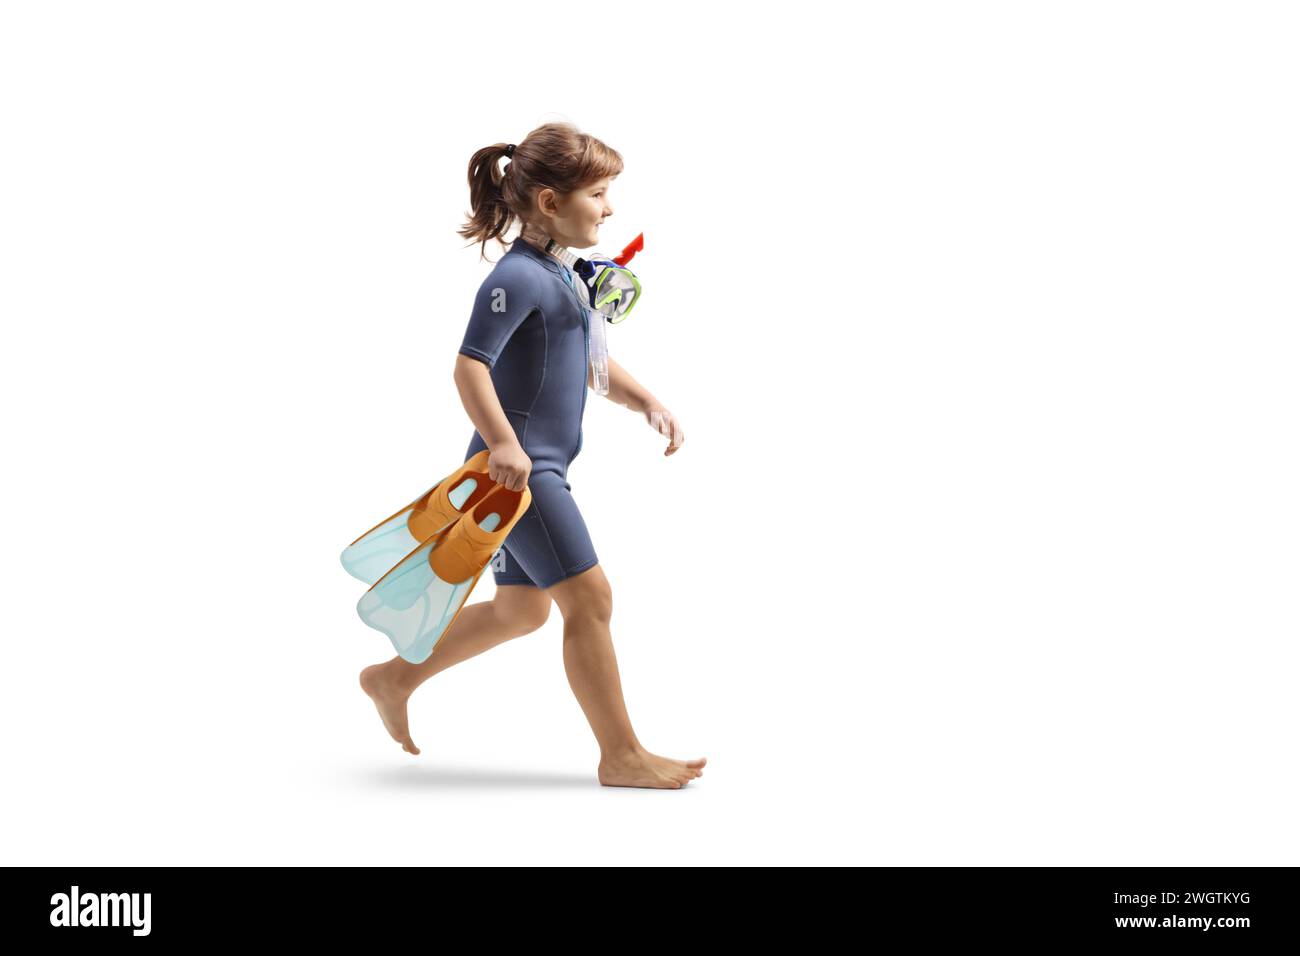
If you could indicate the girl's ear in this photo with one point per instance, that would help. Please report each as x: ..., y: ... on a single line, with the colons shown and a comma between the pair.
x: 546, y: 201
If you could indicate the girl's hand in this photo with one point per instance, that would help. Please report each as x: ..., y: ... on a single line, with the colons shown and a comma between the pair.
x: 663, y: 421
x: 509, y: 465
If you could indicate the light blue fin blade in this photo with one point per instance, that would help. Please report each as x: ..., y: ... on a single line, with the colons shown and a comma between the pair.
x: 412, y: 605
x: 370, y: 558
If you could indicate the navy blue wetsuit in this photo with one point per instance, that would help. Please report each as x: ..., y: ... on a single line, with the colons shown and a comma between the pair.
x: 528, y: 328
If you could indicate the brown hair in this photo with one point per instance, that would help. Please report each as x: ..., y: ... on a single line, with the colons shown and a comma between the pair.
x: 558, y: 156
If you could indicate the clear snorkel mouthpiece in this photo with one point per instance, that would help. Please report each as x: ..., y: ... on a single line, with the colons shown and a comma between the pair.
x: 598, y: 353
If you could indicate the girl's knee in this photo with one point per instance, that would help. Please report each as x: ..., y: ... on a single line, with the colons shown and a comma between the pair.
x: 586, y: 596
x: 599, y: 611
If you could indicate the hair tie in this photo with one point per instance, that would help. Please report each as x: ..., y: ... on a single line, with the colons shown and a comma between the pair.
x: 510, y: 150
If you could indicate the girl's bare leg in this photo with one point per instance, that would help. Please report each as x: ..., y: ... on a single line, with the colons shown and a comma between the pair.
x: 514, y: 611
x: 586, y: 602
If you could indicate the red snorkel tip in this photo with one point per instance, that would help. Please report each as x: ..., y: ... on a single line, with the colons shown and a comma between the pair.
x: 631, y: 249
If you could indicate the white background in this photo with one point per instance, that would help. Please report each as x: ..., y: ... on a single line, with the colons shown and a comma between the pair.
x: 981, y: 323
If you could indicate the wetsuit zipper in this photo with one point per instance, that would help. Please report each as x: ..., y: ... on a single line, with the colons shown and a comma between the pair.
x: 567, y: 275
x: 586, y: 370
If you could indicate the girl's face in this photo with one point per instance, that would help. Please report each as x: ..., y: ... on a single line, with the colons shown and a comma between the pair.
x: 579, y: 214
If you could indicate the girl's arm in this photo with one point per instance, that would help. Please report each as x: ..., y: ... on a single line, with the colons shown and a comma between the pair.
x: 624, y: 389
x: 627, y: 391
x: 507, y: 462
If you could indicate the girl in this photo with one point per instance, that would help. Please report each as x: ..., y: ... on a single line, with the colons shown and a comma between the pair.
x: 523, y: 376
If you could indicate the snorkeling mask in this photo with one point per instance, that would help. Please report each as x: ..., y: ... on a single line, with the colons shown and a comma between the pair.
x: 609, y: 289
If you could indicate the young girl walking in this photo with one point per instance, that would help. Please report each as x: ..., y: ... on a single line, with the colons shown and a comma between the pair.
x: 522, y: 374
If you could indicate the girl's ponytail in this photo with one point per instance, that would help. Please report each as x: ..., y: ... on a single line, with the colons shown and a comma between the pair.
x: 490, y: 214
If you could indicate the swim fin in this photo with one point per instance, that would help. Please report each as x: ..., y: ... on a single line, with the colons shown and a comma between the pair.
x: 368, y: 557
x: 418, y: 600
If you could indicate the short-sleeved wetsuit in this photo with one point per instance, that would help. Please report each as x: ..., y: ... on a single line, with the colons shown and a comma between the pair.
x: 528, y: 328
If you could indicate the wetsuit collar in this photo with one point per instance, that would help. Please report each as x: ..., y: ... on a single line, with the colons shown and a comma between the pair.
x: 528, y: 249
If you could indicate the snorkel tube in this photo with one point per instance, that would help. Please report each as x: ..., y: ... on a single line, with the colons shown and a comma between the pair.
x: 631, y: 249
x: 610, y: 290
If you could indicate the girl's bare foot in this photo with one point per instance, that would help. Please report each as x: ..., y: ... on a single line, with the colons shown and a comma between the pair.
x: 391, y: 703
x: 644, y: 769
